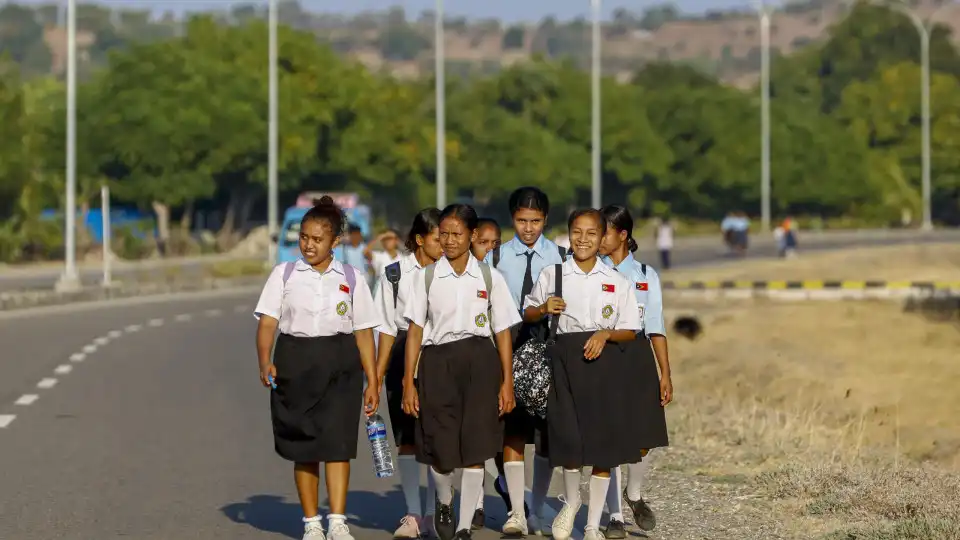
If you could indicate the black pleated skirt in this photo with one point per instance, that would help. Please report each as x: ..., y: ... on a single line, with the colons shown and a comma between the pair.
x: 590, y: 410
x: 404, y: 425
x: 459, y: 388
x: 317, y: 404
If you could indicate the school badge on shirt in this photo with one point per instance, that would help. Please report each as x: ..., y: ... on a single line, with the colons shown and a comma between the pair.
x: 642, y: 286
x: 607, y: 311
x: 342, y: 308
x: 480, y: 320
x: 608, y: 288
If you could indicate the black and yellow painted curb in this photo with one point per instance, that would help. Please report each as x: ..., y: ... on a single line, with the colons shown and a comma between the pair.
x: 811, y: 285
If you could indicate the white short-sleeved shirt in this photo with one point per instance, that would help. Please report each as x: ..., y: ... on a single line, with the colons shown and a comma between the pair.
x: 392, y: 317
x: 600, y: 299
x: 458, y: 304
x: 312, y: 304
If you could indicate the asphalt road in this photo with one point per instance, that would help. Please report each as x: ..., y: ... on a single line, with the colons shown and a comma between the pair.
x: 146, y: 420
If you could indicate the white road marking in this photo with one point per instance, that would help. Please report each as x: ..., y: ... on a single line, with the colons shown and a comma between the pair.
x: 77, y: 357
x: 5, y: 419
x: 63, y: 369
x: 89, y: 349
x: 114, y: 334
x: 183, y: 317
x: 103, y: 340
x: 155, y: 323
x: 213, y: 312
x: 26, y: 399
x: 47, y: 383
x: 133, y: 328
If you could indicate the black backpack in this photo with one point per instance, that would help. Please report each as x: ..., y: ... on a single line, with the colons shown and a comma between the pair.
x: 392, y: 271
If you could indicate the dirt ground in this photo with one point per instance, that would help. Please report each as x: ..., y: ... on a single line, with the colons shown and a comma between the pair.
x: 923, y: 262
x: 818, y: 419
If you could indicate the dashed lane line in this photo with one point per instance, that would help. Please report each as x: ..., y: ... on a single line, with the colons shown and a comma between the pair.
x: 90, y: 348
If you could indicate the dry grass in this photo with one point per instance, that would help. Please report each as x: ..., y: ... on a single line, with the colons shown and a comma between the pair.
x: 923, y: 262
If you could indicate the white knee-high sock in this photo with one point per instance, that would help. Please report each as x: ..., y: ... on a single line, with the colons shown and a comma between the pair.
x: 571, y: 486
x: 410, y: 483
x: 542, y: 474
x: 598, y: 492
x: 614, y: 503
x: 444, y: 486
x: 513, y: 470
x: 482, y: 490
x: 471, y: 485
x: 637, y: 478
x: 431, y: 504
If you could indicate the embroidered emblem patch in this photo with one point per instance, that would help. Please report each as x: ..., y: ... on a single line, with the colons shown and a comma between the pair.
x: 342, y: 308
x: 642, y: 286
x: 608, y: 288
x: 481, y: 320
x: 607, y: 311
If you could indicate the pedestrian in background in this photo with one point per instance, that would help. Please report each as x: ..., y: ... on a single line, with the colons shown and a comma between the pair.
x: 663, y: 237
x: 392, y: 296
x: 389, y: 240
x: 488, y: 238
x: 318, y: 366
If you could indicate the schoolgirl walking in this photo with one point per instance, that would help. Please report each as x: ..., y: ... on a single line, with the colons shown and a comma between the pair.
x: 392, y: 296
x: 325, y: 314
x: 459, y: 353
x: 597, y: 317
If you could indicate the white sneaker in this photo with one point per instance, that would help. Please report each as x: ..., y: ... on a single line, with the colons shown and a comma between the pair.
x: 592, y: 534
x: 516, y: 525
x: 313, y: 531
x: 563, y: 523
x: 340, y: 531
x: 535, y: 525
x: 409, y: 528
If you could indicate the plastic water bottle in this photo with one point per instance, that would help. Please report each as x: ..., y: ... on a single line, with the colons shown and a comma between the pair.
x: 379, y: 446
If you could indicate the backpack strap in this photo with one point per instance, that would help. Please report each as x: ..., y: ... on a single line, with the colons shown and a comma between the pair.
x: 496, y: 256
x: 351, y: 275
x: 488, y: 283
x: 643, y: 269
x: 428, y: 279
x: 558, y: 292
x: 392, y: 271
x: 287, y: 271
x: 563, y: 253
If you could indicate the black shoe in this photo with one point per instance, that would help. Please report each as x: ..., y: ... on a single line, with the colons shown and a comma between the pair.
x: 478, y: 520
x: 443, y: 521
x: 615, y: 530
x: 463, y: 534
x: 506, y: 499
x: 643, y: 515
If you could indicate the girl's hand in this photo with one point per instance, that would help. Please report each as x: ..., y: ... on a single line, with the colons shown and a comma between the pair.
x: 411, y: 401
x: 554, y: 306
x: 371, y: 399
x: 507, y: 402
x: 266, y: 371
x: 666, y: 391
x: 594, y: 346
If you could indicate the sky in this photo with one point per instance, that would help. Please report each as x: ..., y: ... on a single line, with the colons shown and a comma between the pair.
x: 507, y: 10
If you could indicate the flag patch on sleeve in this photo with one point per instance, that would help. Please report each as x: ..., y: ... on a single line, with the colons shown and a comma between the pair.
x: 642, y: 286
x: 482, y: 294
x: 344, y: 288
x: 609, y: 288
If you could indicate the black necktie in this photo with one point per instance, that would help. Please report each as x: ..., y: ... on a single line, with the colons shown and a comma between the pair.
x: 527, y: 278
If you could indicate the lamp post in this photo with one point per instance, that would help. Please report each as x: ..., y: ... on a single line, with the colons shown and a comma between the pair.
x: 70, y: 280
x: 272, y: 136
x: 438, y: 55
x: 763, y: 12
x: 596, y: 191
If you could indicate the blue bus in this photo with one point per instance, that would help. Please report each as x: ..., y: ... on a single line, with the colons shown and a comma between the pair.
x: 288, y: 240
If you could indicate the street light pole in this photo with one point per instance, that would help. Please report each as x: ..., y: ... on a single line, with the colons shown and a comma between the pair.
x: 272, y: 136
x: 765, y: 217
x: 70, y: 280
x: 441, y: 104
x: 596, y: 192
x: 927, y: 224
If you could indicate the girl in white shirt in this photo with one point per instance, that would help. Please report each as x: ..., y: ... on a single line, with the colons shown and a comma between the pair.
x: 464, y: 381
x: 589, y: 394
x: 423, y: 245
x: 326, y: 316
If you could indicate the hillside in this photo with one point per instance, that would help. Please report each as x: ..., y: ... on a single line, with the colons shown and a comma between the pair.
x: 725, y: 44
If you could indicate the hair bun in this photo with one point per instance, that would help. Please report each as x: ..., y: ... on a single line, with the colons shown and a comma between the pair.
x: 632, y: 244
x: 326, y: 200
